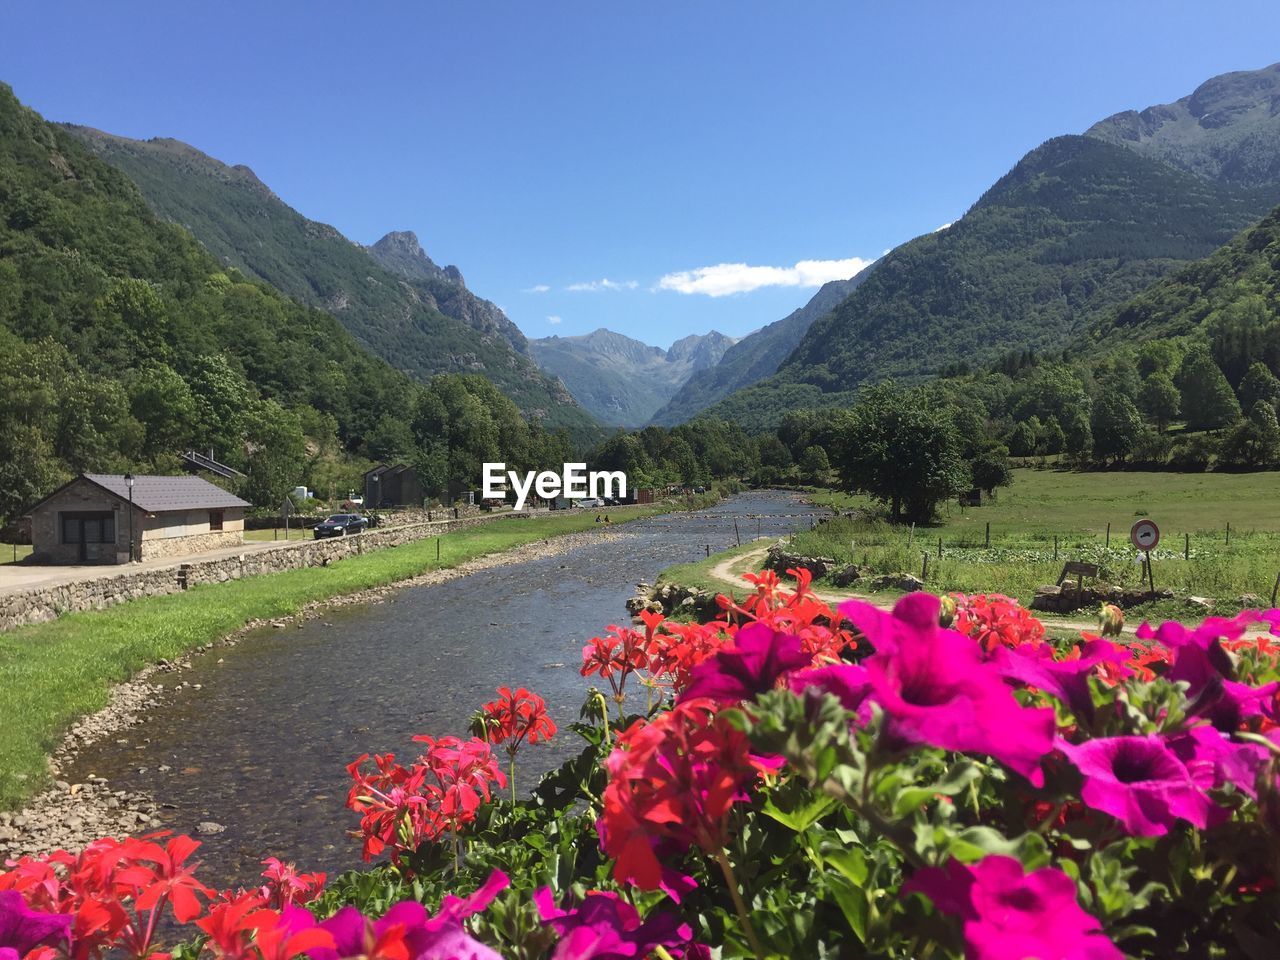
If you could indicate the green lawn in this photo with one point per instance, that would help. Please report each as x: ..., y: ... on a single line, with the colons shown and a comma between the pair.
x: 52, y: 673
x: 1075, y: 508
x: 14, y: 553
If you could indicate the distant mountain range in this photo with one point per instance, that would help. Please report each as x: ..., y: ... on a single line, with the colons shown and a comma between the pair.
x: 755, y: 356
x: 1079, y: 226
x: 621, y: 381
x: 419, y: 317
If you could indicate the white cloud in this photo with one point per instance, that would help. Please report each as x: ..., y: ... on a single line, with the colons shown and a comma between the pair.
x: 727, y: 278
x: 538, y: 288
x: 605, y: 284
x: 554, y: 321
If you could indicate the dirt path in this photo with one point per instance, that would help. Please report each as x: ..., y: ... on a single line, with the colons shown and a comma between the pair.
x: 724, y: 572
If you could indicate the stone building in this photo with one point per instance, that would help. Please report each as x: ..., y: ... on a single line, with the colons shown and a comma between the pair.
x: 87, y: 520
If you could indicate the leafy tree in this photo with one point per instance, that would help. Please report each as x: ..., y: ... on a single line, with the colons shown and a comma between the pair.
x: 1079, y: 434
x: 1023, y: 439
x: 1160, y: 399
x: 992, y: 469
x: 1255, y: 441
x: 1116, y: 427
x: 1158, y: 356
x: 814, y: 464
x: 1052, y: 439
x: 1259, y: 383
x: 1208, y: 401
x: 165, y: 406
x: 902, y: 448
x: 277, y: 454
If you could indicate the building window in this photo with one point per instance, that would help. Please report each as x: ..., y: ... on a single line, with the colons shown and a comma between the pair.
x: 89, y: 527
x: 215, y: 519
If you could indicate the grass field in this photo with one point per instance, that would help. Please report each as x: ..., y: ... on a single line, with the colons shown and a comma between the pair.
x: 14, y: 553
x: 1193, y: 511
x: 53, y: 673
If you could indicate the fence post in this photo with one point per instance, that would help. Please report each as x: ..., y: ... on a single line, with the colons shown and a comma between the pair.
x: 736, y: 535
x: 939, y: 548
x: 924, y: 571
x: 1055, y: 549
x: 1228, y: 533
x: 1108, y: 543
x: 437, y: 549
x: 1186, y: 548
x: 988, y: 543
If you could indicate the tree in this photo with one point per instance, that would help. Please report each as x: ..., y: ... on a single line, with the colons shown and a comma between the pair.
x: 1079, y: 433
x: 166, y: 408
x: 902, y: 448
x: 1159, y: 400
x: 1259, y: 383
x: 991, y: 468
x: 814, y: 464
x: 1255, y: 441
x: 1208, y: 402
x: 1023, y: 439
x: 1116, y: 427
x: 1158, y: 356
x: 276, y: 454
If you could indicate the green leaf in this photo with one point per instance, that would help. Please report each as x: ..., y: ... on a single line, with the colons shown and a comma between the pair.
x: 853, y: 903
x: 802, y: 816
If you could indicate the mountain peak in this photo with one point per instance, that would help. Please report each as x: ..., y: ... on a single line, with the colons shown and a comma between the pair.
x: 400, y: 252
x: 1227, y: 129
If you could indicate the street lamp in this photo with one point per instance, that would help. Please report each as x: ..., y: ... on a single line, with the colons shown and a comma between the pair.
x: 128, y: 482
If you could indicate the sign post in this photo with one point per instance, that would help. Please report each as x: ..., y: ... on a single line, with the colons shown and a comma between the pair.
x: 286, y: 510
x: 1145, y: 535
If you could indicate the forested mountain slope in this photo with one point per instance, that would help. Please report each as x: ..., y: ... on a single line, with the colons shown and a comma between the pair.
x: 421, y: 323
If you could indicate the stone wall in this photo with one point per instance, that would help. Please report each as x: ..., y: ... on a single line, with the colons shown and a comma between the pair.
x: 157, y: 548
x: 49, y: 603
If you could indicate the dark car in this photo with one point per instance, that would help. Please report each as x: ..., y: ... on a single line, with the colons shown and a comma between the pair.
x: 339, y: 525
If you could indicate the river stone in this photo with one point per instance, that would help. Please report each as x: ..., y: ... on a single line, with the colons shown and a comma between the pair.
x: 208, y: 827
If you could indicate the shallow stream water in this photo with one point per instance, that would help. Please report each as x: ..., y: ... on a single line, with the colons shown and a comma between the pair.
x: 260, y: 748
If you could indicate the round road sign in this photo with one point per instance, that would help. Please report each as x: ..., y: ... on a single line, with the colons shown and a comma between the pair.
x: 1144, y: 535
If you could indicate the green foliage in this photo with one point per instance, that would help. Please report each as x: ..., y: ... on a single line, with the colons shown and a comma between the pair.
x: 424, y: 322
x: 1207, y: 398
x: 1116, y: 426
x: 902, y: 448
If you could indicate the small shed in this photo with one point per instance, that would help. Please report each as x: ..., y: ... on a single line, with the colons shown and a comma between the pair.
x: 88, y: 519
x: 392, y: 485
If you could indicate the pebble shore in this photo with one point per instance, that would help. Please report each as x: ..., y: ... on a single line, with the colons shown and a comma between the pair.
x: 69, y: 815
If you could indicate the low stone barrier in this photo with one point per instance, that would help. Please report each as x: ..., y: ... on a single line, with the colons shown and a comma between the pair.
x: 48, y: 603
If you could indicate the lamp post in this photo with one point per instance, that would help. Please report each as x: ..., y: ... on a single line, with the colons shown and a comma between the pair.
x: 128, y: 482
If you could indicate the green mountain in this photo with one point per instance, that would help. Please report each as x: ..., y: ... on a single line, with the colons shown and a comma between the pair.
x: 1237, y: 285
x: 420, y: 318
x: 622, y: 381
x: 1078, y: 227
x: 754, y: 357
x: 122, y: 340
x: 1228, y: 129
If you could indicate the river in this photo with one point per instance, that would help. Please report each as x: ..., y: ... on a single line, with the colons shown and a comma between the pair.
x: 261, y: 746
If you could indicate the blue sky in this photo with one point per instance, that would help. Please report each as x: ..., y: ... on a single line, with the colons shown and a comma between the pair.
x: 548, y: 147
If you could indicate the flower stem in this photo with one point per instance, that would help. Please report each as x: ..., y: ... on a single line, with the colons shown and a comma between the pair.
x: 732, y: 881
x: 512, y: 755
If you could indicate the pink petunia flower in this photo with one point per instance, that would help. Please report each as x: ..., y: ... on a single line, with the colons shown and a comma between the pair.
x: 936, y: 689
x: 1012, y: 915
x: 23, y: 929
x: 751, y: 664
x: 1214, y: 760
x: 1140, y: 782
x: 846, y: 682
x: 1068, y: 680
x: 605, y: 927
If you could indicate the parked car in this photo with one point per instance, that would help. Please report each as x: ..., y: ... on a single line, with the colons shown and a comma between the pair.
x: 339, y: 525
x: 589, y: 503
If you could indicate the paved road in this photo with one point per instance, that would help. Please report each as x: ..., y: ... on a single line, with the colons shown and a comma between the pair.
x: 16, y: 577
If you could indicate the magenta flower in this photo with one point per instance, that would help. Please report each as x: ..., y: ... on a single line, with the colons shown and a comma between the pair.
x: 752, y: 663
x: 935, y: 688
x: 1140, y: 782
x: 23, y: 929
x: 1214, y: 760
x: 605, y: 927
x: 442, y: 937
x: 1068, y: 680
x: 1012, y: 915
x: 846, y: 682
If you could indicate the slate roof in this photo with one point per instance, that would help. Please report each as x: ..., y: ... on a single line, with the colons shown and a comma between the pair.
x: 159, y: 494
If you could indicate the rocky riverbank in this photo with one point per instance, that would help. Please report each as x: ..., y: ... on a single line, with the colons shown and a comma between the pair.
x: 68, y: 815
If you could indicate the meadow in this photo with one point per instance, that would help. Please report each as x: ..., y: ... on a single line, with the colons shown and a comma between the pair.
x: 53, y: 673
x: 1220, y: 534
